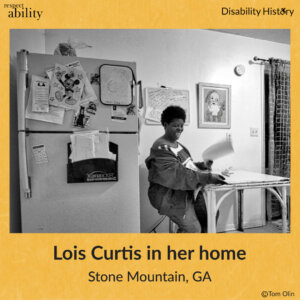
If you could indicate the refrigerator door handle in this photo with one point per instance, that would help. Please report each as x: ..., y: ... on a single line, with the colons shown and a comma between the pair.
x: 24, y: 179
x: 21, y: 86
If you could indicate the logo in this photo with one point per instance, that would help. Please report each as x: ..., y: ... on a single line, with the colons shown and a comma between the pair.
x: 19, y: 11
x: 100, y: 176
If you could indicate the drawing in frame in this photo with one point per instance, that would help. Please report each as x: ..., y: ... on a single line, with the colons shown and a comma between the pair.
x: 214, y: 105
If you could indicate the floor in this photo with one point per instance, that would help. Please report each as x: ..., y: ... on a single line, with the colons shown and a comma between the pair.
x: 274, y: 226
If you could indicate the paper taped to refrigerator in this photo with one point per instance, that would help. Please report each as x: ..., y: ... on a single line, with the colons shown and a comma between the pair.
x: 39, y: 153
x: 66, y: 87
x: 88, y: 94
x: 40, y: 87
x: 54, y: 115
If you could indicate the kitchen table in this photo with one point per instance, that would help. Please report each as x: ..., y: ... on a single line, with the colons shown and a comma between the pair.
x: 239, y: 181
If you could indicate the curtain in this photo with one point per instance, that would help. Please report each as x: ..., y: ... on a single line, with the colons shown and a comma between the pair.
x: 277, y: 75
x: 279, y: 118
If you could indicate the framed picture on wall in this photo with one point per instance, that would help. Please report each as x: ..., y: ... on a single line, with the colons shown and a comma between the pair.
x: 214, y: 105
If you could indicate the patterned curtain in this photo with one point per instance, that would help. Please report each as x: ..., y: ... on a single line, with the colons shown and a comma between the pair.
x: 279, y: 117
x: 277, y: 86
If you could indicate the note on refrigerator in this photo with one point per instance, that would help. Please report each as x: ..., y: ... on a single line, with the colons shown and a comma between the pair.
x: 39, y: 153
x: 66, y: 87
x: 54, y: 115
x: 40, y: 93
x: 88, y: 94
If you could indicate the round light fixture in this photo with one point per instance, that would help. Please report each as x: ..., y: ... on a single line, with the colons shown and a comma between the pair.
x: 239, y: 70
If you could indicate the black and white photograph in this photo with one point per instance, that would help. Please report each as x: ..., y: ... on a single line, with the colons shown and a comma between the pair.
x: 85, y: 156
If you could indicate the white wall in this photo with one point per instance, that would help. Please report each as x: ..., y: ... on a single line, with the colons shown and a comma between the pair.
x: 181, y: 59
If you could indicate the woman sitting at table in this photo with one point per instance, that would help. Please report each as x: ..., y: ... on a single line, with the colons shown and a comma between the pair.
x: 173, y: 176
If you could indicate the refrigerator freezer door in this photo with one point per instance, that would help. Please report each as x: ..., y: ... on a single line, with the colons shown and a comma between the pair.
x: 56, y: 206
x: 38, y: 64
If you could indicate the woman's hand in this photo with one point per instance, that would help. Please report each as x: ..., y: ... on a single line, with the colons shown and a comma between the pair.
x: 216, y: 179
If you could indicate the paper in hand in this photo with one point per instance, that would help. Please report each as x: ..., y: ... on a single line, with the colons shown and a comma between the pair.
x: 219, y: 149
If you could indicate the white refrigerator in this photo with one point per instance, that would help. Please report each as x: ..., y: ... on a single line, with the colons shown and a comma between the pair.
x: 49, y: 204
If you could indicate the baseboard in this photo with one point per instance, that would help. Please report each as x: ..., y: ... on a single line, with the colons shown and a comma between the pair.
x: 249, y: 224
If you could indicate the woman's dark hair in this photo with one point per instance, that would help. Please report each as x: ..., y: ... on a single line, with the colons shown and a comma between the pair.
x: 171, y: 113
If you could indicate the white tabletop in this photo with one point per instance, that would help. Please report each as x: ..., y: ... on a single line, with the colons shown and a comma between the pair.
x: 245, y: 179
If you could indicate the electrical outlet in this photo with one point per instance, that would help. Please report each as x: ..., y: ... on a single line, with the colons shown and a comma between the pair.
x: 253, y: 131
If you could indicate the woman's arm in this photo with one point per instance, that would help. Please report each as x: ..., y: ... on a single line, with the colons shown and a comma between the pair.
x: 166, y: 170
